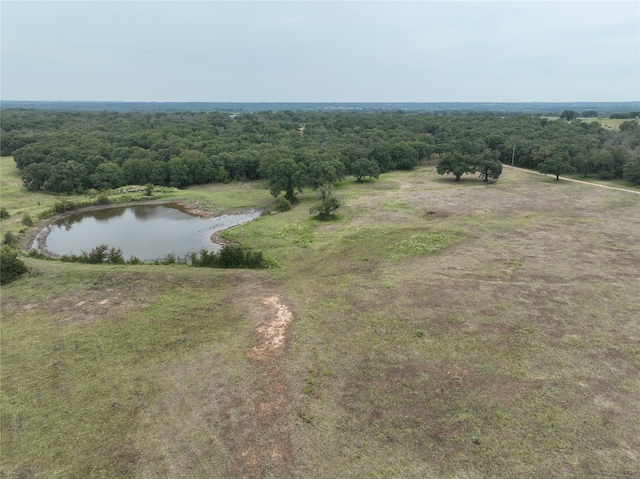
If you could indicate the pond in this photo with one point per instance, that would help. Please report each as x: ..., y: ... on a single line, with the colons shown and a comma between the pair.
x: 147, y: 232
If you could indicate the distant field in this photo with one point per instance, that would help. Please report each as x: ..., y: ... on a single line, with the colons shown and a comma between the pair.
x: 439, y: 329
x: 608, y: 123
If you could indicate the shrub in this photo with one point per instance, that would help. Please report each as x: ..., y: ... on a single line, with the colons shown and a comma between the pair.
x: 230, y: 256
x: 326, y: 209
x: 103, y: 200
x: 169, y: 258
x: 148, y: 190
x: 63, y: 206
x: 283, y: 205
x: 10, y: 239
x: 27, y: 220
x: 116, y: 256
x: 4, y: 213
x: 34, y: 253
x: 11, y: 266
x: 632, y: 171
x: 97, y: 255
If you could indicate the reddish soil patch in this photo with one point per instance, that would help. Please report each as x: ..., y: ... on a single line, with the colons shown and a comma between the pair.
x: 260, y: 442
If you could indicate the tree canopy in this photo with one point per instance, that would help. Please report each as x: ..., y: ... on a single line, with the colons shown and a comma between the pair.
x: 73, y: 151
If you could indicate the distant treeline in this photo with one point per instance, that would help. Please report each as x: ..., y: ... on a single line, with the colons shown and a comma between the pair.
x: 75, y: 151
x: 603, y: 109
x: 624, y: 116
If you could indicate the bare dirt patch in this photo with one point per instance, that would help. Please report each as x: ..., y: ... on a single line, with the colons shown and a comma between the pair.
x: 259, y: 442
x: 271, y: 335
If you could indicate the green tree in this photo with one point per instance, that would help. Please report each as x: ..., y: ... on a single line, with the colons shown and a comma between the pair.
x: 179, y: 172
x: 364, y: 167
x: 556, y: 164
x: 67, y: 177
x: 569, y: 115
x: 632, y: 170
x: 457, y: 164
x: 489, y: 166
x: 285, y: 175
x: 324, y: 172
x: 107, y: 176
x: 404, y: 157
x: 382, y: 155
x: 138, y: 171
x: 35, y: 175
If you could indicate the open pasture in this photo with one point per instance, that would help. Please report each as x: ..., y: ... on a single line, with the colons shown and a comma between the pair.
x: 436, y: 329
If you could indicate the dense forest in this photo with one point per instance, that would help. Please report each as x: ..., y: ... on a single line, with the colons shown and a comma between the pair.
x: 75, y: 151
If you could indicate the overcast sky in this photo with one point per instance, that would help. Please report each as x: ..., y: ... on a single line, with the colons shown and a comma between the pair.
x: 328, y: 51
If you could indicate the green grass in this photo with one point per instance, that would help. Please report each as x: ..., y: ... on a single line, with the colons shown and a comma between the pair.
x: 441, y: 329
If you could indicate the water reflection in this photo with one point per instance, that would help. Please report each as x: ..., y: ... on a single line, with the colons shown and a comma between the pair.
x: 147, y: 232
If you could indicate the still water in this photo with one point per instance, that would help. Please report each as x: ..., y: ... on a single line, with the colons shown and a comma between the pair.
x: 146, y: 231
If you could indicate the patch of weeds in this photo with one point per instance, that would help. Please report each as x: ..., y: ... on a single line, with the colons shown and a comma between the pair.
x: 312, y: 381
x: 27, y: 220
x: 424, y: 244
x: 302, y: 235
x: 464, y: 416
x: 310, y: 387
x: 455, y: 319
x: 395, y: 205
x: 364, y: 234
x: 420, y: 334
x: 631, y: 385
x: 575, y: 341
x: 477, y: 437
x: 502, y: 307
x: 307, y: 418
x: 501, y: 414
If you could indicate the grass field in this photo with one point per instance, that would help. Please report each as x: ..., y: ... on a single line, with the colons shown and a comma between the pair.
x: 439, y: 329
x: 607, y: 123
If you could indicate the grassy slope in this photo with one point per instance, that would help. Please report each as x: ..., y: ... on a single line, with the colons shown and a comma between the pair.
x: 512, y: 352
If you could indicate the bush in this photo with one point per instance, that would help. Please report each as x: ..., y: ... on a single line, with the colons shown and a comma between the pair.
x: 27, y: 220
x: 63, y: 206
x: 632, y: 171
x: 283, y: 205
x: 326, y: 210
x: 4, y: 213
x: 116, y: 256
x: 10, y: 239
x: 329, y: 204
x: 99, y: 254
x: 103, y: 200
x: 169, y: 258
x: 11, y: 267
x: 230, y: 256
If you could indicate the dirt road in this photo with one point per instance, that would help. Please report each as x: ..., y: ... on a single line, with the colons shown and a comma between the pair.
x: 579, y: 181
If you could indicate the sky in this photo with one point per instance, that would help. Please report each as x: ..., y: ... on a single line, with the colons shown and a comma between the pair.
x: 320, y: 51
